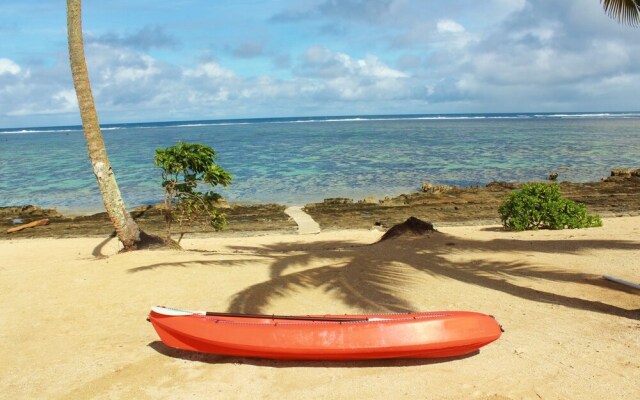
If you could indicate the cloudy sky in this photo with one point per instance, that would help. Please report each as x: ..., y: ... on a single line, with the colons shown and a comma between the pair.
x: 202, y: 59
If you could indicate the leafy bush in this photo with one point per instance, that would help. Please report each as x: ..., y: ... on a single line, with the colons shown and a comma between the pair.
x: 184, y: 167
x: 541, y: 206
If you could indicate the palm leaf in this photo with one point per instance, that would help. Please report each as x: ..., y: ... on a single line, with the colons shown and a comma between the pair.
x: 625, y: 11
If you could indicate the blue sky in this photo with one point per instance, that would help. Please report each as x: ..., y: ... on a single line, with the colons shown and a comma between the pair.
x: 203, y: 59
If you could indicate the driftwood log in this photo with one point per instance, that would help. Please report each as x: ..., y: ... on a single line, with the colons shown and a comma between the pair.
x: 31, y: 224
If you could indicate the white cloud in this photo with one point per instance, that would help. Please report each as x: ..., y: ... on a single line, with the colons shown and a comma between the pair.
x: 324, y: 74
x: 210, y: 70
x: 67, y: 100
x: 9, y: 67
x: 144, y: 70
x: 548, y: 62
x: 33, y: 91
x: 449, y: 26
x: 417, y: 56
x: 320, y: 62
x: 372, y: 66
x: 119, y: 65
x: 512, y: 5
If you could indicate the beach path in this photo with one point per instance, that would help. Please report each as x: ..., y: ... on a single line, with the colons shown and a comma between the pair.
x: 306, y: 224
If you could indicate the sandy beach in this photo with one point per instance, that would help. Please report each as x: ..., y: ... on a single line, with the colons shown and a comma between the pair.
x: 73, y: 317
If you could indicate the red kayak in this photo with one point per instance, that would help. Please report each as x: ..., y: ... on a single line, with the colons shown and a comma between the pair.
x: 326, y: 337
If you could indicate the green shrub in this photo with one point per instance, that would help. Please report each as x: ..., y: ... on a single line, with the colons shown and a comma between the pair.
x: 541, y: 206
x: 184, y: 167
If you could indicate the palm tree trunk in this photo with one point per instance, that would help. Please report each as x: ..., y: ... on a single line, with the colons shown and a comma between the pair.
x: 126, y: 228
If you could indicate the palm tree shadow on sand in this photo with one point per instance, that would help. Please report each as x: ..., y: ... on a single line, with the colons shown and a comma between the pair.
x: 371, y: 277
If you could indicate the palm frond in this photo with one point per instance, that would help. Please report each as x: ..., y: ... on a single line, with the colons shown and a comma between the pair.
x: 625, y: 11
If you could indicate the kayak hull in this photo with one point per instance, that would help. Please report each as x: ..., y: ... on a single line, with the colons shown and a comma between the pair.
x: 328, y: 337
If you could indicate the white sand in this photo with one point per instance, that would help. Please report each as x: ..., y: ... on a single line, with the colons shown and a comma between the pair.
x: 73, y: 325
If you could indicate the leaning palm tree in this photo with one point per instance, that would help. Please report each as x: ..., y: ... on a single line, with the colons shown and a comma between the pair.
x: 625, y: 11
x: 127, y: 230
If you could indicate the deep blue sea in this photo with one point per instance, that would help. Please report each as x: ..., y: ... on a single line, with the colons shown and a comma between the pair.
x: 300, y: 160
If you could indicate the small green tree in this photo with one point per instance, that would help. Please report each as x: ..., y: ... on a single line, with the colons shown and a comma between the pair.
x: 541, y: 206
x: 184, y: 167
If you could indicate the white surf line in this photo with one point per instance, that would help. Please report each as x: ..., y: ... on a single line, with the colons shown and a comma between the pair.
x: 306, y: 224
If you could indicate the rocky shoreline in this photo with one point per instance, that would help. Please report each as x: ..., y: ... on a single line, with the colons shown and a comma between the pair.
x: 618, y: 195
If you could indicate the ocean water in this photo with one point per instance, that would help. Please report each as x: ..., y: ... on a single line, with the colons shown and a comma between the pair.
x: 300, y: 160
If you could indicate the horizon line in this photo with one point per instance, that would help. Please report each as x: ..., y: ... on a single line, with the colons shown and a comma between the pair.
x: 323, y: 118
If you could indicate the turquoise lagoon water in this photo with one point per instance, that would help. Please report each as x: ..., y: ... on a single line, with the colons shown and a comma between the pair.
x: 300, y: 160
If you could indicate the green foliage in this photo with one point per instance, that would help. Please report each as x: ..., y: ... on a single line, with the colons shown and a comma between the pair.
x: 184, y: 167
x: 541, y: 206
